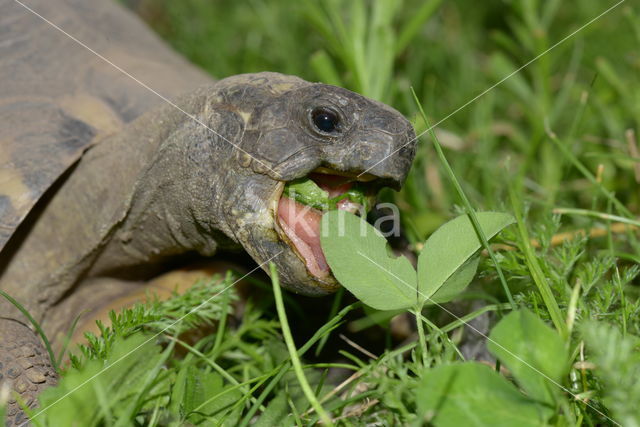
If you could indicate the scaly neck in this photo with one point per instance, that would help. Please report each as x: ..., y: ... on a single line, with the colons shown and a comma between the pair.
x: 122, y: 206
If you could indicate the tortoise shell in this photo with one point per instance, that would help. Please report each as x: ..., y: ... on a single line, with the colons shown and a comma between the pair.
x: 72, y: 71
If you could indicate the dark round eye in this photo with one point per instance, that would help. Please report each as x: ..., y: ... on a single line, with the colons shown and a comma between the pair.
x: 325, y: 119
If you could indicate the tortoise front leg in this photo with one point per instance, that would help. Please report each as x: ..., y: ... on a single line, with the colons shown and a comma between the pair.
x: 24, y: 367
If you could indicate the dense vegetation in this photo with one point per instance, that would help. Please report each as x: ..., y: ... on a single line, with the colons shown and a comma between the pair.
x: 537, y: 115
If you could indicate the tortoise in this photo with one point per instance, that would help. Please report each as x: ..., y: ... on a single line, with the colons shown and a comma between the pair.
x: 118, y: 156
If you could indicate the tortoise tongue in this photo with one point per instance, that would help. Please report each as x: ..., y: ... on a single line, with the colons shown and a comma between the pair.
x: 301, y: 224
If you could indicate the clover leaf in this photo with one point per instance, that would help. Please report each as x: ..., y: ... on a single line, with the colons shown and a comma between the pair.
x: 360, y: 260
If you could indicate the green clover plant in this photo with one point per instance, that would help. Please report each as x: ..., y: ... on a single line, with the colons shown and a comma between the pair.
x: 360, y: 260
x: 358, y: 256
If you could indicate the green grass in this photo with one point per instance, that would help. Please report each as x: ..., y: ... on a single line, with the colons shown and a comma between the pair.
x: 549, y: 145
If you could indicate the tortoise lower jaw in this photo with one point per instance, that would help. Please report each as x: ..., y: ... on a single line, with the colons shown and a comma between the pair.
x: 299, y: 227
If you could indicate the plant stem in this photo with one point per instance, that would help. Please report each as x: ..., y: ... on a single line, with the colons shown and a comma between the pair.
x: 222, y: 324
x: 465, y: 201
x: 595, y: 214
x: 587, y: 174
x: 279, y: 372
x: 623, y: 301
x: 293, y: 352
x: 462, y: 321
x: 334, y: 310
x: 535, y: 269
x: 423, y: 342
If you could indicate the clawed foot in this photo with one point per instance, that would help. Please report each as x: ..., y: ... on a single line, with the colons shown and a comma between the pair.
x: 25, y: 369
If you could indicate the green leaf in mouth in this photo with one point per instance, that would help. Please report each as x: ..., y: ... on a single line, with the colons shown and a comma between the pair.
x: 305, y: 191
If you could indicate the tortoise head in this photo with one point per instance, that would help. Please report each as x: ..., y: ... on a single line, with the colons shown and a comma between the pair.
x: 292, y: 129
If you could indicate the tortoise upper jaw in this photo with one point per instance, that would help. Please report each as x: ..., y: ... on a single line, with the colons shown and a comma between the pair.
x: 376, y: 177
x: 379, y: 155
x: 361, y: 176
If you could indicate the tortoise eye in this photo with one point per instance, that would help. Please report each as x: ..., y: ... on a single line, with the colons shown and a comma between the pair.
x: 325, y: 120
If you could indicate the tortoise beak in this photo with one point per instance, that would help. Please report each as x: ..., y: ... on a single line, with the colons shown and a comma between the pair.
x: 381, y: 155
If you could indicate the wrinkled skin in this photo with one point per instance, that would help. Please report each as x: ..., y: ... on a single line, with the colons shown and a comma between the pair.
x: 280, y: 135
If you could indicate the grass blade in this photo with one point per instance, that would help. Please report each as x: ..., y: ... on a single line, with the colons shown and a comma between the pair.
x: 535, y: 269
x: 36, y: 325
x: 293, y: 352
x: 465, y: 200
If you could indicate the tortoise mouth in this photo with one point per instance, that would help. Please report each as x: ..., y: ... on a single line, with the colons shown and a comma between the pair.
x: 298, y: 216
